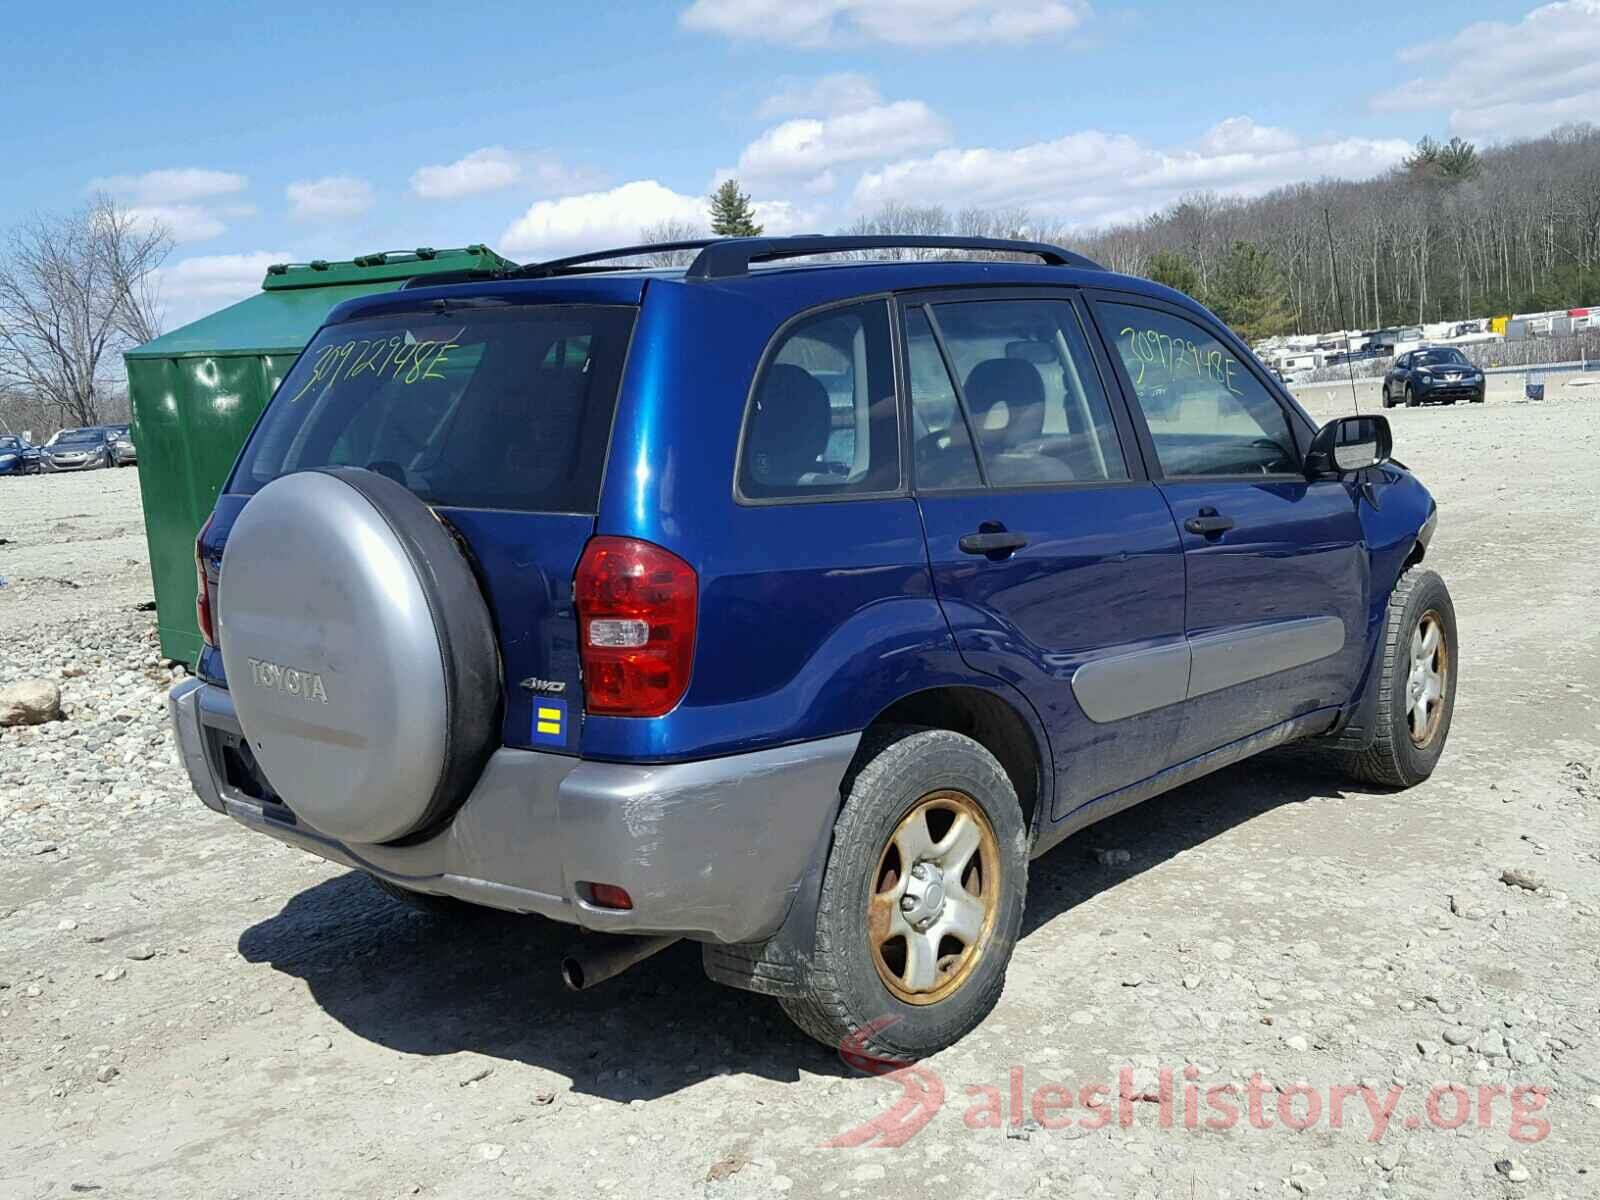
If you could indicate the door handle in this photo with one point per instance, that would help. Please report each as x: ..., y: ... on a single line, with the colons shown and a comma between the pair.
x: 997, y: 544
x: 1208, y: 523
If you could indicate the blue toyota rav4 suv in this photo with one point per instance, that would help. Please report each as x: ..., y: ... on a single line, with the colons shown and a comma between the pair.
x: 792, y: 607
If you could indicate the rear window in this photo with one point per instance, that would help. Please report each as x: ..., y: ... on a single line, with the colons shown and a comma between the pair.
x: 477, y: 408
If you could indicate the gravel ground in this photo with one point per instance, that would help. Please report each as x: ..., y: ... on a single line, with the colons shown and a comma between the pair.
x: 187, y: 1010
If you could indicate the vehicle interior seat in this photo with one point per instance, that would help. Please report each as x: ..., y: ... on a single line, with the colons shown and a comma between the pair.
x: 790, y: 427
x: 1006, y: 398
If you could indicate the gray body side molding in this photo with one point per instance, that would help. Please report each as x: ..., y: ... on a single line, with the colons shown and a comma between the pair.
x: 1231, y: 656
x: 1138, y: 681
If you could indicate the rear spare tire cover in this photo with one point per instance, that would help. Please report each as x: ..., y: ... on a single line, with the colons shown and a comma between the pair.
x: 360, y: 654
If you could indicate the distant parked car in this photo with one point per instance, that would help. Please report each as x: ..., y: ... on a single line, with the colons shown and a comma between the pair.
x: 1432, y: 375
x: 77, y: 450
x: 123, y: 452
x: 17, y: 456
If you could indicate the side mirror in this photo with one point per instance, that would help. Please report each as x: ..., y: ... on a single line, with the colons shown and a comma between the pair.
x: 1348, y: 444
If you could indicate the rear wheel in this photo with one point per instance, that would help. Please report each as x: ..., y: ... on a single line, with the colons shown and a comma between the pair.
x: 921, y: 900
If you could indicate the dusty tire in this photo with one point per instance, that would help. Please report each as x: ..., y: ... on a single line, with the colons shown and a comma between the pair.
x: 1410, y: 397
x: 1400, y: 755
x: 426, y: 902
x: 906, y: 775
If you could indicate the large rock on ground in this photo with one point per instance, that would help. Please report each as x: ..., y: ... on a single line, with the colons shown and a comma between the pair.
x: 29, y: 702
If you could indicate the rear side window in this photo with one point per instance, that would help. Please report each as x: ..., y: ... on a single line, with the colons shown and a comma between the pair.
x: 822, y: 416
x: 1033, y: 397
x: 480, y: 408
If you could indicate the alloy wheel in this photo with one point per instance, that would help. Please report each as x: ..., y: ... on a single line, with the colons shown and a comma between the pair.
x: 935, y: 898
x: 1425, y: 684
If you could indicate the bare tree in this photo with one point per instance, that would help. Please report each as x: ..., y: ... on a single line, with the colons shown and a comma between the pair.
x: 75, y: 290
x: 670, y: 231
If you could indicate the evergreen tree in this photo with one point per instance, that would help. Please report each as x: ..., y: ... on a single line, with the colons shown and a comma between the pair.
x: 1174, y: 270
x: 1249, y: 293
x: 1458, y: 160
x: 1453, y: 162
x: 731, y: 212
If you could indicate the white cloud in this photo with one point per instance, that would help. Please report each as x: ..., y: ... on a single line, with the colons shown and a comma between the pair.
x: 171, y: 186
x: 1235, y: 135
x: 595, y: 220
x: 910, y: 23
x: 193, y: 287
x: 494, y: 168
x: 329, y: 198
x: 169, y: 198
x: 183, y: 222
x: 486, y: 170
x: 843, y: 91
x: 1091, y: 178
x: 1502, y: 80
x: 809, y: 148
x: 782, y: 217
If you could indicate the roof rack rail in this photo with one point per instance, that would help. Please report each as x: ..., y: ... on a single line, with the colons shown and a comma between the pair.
x: 723, y: 258
x: 728, y: 257
x: 580, y: 262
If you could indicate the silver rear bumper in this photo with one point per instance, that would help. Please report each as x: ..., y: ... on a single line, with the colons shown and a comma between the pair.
x: 714, y: 849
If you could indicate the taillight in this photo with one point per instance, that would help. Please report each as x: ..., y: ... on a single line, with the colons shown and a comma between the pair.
x: 202, y: 599
x: 636, y: 617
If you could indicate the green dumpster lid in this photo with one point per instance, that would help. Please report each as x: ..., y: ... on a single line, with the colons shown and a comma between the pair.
x: 296, y: 297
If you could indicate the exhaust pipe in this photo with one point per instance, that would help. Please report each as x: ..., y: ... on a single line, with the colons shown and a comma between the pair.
x: 585, y: 966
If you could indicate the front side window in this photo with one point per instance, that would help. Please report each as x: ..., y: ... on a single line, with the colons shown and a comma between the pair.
x: 1207, y: 413
x: 481, y: 408
x: 1033, y: 397
x: 822, y: 416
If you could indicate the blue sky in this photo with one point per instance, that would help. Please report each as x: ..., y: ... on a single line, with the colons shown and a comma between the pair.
x: 323, y: 130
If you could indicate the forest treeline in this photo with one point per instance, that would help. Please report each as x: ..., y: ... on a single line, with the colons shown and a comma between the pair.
x: 1454, y: 232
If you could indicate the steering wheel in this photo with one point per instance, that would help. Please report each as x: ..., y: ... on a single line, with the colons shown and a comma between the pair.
x: 1270, y: 466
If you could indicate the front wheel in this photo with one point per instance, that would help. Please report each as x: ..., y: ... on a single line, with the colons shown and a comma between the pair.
x: 1411, y: 397
x: 921, y: 901
x: 1416, y: 683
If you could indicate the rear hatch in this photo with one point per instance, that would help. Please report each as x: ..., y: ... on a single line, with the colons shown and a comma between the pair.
x: 498, y: 416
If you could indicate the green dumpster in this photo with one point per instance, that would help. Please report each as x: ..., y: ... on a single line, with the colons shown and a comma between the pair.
x: 196, y: 393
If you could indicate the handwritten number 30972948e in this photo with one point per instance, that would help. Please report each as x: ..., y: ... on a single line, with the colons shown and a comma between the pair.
x: 1149, y: 351
x: 407, y: 362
